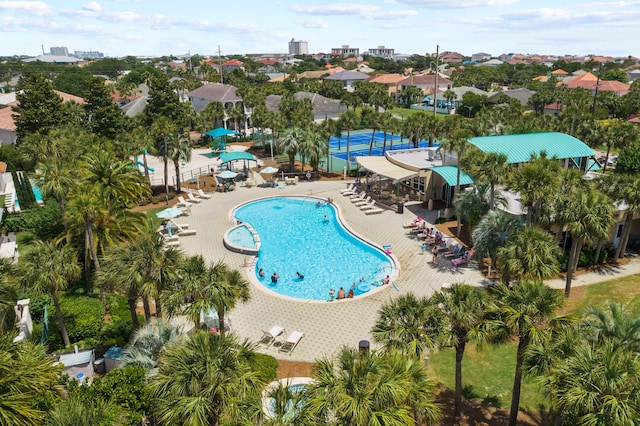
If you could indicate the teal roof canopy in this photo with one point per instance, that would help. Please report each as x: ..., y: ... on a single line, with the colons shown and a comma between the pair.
x: 236, y: 155
x: 450, y: 175
x: 520, y: 148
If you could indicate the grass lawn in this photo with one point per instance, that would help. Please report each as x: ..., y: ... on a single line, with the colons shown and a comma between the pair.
x: 621, y: 290
x: 487, y: 375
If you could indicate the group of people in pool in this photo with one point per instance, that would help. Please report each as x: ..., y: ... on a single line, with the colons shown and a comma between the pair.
x: 341, y: 294
x: 275, y: 277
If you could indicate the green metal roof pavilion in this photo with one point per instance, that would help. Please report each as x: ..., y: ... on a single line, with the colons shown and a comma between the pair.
x: 450, y: 175
x: 226, y: 157
x: 520, y: 148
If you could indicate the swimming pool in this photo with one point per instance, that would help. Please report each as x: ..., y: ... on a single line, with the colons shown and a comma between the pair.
x: 298, y: 235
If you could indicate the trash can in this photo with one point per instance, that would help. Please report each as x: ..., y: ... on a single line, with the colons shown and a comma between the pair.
x: 400, y: 207
x: 363, y: 346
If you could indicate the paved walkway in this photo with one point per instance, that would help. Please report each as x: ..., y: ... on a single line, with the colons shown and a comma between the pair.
x: 330, y: 326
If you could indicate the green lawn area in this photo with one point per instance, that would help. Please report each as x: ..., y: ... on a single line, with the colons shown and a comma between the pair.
x: 621, y: 290
x: 487, y: 374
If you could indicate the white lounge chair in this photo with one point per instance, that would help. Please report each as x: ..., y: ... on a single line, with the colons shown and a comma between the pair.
x: 184, y: 203
x: 181, y: 229
x: 291, y: 342
x: 192, y: 198
x: 373, y: 211
x: 203, y: 194
x: 350, y: 192
x: 350, y: 189
x: 362, y: 202
x: 269, y: 336
x: 360, y: 199
x: 368, y: 206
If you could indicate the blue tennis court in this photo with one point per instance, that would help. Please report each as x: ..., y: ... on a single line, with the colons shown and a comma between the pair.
x: 361, y: 139
x: 377, y: 150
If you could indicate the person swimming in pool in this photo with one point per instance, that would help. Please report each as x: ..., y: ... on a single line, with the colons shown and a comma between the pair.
x: 261, y: 273
x: 274, y: 278
x: 341, y: 293
x: 300, y: 275
x: 350, y: 294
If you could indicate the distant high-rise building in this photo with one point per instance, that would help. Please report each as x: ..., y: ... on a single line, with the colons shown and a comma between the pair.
x: 298, y: 47
x: 345, y: 50
x: 382, y: 52
x: 90, y: 54
x: 59, y: 51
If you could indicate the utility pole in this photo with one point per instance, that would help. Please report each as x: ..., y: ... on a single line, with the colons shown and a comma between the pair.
x: 220, y: 65
x: 435, y: 86
x: 595, y: 94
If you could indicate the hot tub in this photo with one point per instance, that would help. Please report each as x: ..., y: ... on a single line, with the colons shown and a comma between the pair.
x: 243, y: 239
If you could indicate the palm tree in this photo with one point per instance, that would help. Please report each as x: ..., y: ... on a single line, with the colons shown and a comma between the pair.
x: 315, y: 146
x: 358, y: 389
x: 465, y: 309
x: 179, y: 150
x: 473, y: 203
x: 371, y: 118
x: 589, y: 216
x: 207, y: 287
x: 161, y: 129
x: 115, y: 180
x: 290, y: 144
x: 493, y: 168
x: 618, y: 134
x: 458, y: 142
x: 212, y: 113
x: 531, y: 254
x: 204, y: 380
x: 525, y: 312
x: 492, y: 232
x: 55, y: 178
x: 27, y: 379
x: 348, y: 121
x: 236, y: 112
x: 409, y: 325
x: 48, y: 268
x: 8, y: 295
x: 536, y: 182
x: 80, y: 411
x: 147, y: 343
x: 623, y: 188
x: 141, y: 268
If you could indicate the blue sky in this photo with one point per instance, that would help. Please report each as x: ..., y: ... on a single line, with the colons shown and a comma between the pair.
x: 160, y: 27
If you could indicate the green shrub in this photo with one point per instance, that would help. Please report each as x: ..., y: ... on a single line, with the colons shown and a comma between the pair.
x: 44, y: 222
x: 83, y: 318
x: 126, y: 388
x: 266, y: 366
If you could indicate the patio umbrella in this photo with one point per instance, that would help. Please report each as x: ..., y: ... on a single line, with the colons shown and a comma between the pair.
x: 220, y: 131
x: 227, y: 174
x: 269, y: 170
x: 169, y: 212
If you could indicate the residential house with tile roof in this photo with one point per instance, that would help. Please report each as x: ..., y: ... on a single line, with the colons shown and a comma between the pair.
x: 348, y: 78
x: 390, y: 80
x: 217, y: 92
x: 7, y: 116
x: 323, y: 108
x: 589, y: 81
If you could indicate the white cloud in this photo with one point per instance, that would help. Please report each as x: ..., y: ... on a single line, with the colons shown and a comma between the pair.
x: 93, y: 7
x: 457, y: 4
x: 350, y: 9
x: 313, y: 23
x: 36, y: 8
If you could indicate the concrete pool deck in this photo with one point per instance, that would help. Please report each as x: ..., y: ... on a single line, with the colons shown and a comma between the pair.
x: 329, y: 326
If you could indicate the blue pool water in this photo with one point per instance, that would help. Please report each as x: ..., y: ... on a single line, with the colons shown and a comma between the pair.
x: 296, y: 238
x: 242, y: 237
x: 36, y: 193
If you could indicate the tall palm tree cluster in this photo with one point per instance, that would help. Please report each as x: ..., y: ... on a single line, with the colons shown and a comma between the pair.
x: 587, y: 365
